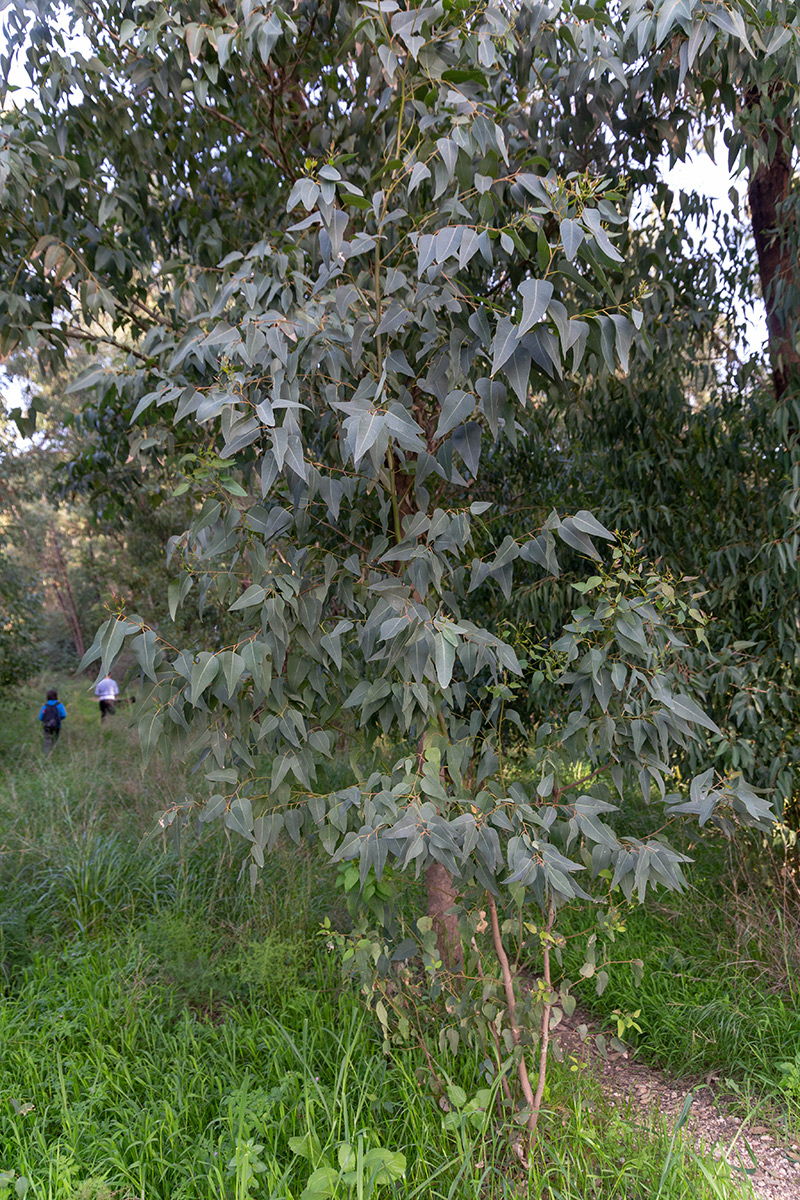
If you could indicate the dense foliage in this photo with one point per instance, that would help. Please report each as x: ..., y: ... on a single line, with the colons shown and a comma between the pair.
x: 345, y: 249
x: 18, y: 624
x: 20, y: 587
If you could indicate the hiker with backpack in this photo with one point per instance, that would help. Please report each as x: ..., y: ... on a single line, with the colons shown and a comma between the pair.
x: 51, y: 715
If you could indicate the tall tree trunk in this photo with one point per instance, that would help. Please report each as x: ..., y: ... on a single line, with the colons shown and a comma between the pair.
x: 774, y: 230
x: 64, y: 593
x: 442, y: 895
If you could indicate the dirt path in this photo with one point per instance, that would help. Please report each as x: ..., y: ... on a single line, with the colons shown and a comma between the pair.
x: 772, y: 1168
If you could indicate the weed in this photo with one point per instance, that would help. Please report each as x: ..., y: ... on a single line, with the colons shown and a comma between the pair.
x: 790, y: 1073
x: 93, y: 1189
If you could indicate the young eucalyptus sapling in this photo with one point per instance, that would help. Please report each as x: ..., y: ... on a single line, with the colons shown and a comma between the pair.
x: 350, y: 366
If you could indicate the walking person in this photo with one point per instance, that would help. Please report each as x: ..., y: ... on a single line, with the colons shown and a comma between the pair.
x: 51, y: 715
x: 106, y: 692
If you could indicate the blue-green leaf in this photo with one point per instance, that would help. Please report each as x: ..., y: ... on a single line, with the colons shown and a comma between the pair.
x: 249, y: 598
x: 536, y: 295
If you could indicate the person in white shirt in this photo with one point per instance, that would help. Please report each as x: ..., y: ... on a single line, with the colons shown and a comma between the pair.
x: 106, y: 692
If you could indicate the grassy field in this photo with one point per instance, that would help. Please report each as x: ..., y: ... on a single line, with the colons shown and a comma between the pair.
x: 165, y: 1035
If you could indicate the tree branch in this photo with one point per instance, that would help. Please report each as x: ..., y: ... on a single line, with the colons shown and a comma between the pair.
x: 511, y: 1001
x: 83, y: 336
x: 545, y: 1026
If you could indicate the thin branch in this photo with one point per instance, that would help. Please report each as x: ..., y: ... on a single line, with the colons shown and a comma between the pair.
x: 545, y: 1027
x: 213, y: 111
x: 495, y: 1034
x: 155, y: 316
x: 511, y: 1001
x: 568, y: 787
x: 83, y: 336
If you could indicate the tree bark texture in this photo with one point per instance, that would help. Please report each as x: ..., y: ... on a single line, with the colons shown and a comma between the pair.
x: 442, y: 895
x: 64, y: 593
x: 774, y: 230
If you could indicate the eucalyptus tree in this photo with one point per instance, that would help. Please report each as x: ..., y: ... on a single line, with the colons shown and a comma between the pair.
x: 340, y: 262
x: 674, y: 74
x: 18, y: 626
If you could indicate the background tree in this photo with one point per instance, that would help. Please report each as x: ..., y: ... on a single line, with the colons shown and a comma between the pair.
x: 82, y: 522
x: 687, y: 450
x: 20, y: 612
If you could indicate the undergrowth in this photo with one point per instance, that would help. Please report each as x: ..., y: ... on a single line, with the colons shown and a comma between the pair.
x: 719, y: 992
x: 109, y: 1079
x: 168, y: 1034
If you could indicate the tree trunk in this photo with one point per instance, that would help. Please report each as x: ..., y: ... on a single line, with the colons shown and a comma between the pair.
x: 442, y: 895
x: 773, y: 229
x: 64, y: 593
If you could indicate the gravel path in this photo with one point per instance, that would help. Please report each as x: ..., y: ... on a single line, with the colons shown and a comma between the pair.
x: 772, y: 1168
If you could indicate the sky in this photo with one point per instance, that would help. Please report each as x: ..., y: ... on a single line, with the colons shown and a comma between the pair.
x: 700, y: 174
x: 705, y: 177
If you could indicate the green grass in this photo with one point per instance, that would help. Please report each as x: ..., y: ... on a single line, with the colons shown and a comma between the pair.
x: 113, y: 1078
x: 719, y: 994
x: 702, y: 1009
x: 166, y: 1033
